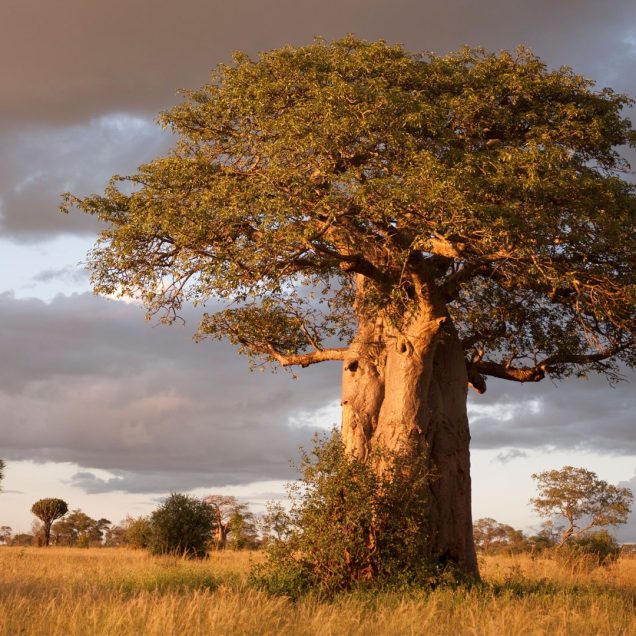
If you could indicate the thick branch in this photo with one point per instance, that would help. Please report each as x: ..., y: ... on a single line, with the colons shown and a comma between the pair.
x: 305, y: 359
x: 589, y: 358
x: 516, y: 374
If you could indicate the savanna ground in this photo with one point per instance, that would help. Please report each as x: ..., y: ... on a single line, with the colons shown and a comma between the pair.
x: 124, y: 592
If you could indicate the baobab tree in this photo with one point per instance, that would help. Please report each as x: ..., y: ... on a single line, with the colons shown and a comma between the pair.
x: 426, y: 221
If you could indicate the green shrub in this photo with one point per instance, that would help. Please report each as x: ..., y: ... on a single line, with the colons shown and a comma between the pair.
x: 601, y: 545
x: 137, y: 532
x: 182, y: 525
x: 350, y: 526
x: 588, y: 551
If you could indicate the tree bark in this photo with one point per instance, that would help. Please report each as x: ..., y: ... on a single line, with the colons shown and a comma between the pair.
x: 405, y: 391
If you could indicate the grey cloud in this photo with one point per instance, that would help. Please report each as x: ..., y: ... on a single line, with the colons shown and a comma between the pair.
x: 87, y: 380
x: 587, y: 415
x: 73, y: 59
x: 38, y: 164
x: 154, y: 482
x: 507, y: 456
x: 68, y: 64
x: 75, y: 274
x: 627, y: 532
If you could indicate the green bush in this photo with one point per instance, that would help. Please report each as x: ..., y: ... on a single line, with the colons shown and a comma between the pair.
x: 601, y: 545
x: 350, y: 525
x: 182, y: 526
x: 137, y: 532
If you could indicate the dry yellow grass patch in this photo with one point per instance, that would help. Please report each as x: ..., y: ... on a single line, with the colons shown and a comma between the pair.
x: 124, y: 592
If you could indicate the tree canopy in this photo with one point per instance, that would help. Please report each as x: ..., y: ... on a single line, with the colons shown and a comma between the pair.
x: 47, y: 511
x: 488, y: 183
x: 576, y: 495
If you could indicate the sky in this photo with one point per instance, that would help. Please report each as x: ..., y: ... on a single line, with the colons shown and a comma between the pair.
x: 111, y: 412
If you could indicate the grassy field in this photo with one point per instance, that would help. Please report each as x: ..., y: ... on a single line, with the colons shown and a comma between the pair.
x: 124, y: 592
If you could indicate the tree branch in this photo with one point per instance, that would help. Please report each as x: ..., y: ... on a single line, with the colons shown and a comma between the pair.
x: 516, y: 374
x: 305, y: 359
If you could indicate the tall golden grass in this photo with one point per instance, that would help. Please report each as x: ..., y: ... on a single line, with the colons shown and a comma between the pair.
x: 124, y: 592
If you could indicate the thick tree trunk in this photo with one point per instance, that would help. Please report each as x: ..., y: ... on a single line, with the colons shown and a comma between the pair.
x: 406, y: 392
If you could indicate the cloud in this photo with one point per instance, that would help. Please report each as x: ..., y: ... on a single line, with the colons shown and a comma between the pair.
x: 587, y: 415
x: 69, y: 60
x: 627, y: 532
x: 73, y: 274
x: 83, y: 80
x: 507, y: 456
x: 38, y: 164
x: 91, y: 382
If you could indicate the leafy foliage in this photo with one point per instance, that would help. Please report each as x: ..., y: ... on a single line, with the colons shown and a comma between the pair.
x: 47, y: 511
x: 491, y: 536
x: 577, y: 494
x: 487, y: 180
x: 78, y: 529
x: 182, y: 525
x: 349, y: 526
x: 137, y: 532
x: 601, y: 544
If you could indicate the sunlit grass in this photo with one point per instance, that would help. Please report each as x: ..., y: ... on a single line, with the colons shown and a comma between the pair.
x: 125, y: 592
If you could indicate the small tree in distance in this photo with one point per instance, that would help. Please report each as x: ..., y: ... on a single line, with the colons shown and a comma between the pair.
x: 182, y: 525
x: 230, y: 517
x: 47, y: 511
x: 577, y: 494
x: 492, y: 536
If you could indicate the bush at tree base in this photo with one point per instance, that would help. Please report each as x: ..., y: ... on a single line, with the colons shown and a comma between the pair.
x: 182, y: 525
x: 350, y: 526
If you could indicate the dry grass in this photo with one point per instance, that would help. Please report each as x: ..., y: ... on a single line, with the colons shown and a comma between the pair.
x: 124, y: 592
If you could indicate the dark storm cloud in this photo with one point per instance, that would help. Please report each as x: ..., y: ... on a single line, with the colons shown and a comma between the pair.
x: 588, y: 415
x: 87, y: 380
x: 38, y: 164
x: 66, y: 64
x: 72, y: 59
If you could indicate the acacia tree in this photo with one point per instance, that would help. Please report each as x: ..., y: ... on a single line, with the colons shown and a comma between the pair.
x: 577, y: 494
x: 47, y: 511
x: 427, y: 221
x: 490, y: 536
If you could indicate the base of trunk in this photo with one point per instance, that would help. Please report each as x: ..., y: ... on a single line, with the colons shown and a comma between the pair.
x: 407, y: 394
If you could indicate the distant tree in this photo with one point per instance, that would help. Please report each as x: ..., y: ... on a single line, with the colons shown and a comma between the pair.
x: 181, y: 525
x: 137, y: 532
x: 115, y: 536
x: 77, y: 528
x: 578, y: 496
x: 224, y: 507
x: 275, y: 523
x: 2, y: 467
x: 548, y: 536
x: 23, y: 539
x: 47, y: 511
x: 5, y: 534
x: 243, y: 529
x: 492, y: 536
